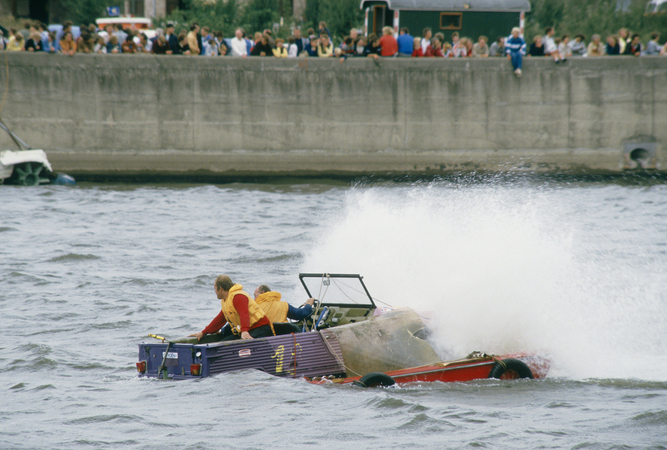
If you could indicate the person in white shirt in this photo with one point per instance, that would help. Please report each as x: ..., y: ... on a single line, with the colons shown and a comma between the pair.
x: 238, y: 44
x: 426, y: 39
x: 550, y: 47
x: 564, y: 48
x: 293, y: 50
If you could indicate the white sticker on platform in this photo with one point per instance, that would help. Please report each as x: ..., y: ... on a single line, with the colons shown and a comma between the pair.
x: 171, y: 355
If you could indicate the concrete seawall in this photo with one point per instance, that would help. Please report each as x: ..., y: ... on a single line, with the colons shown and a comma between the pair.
x: 148, y: 115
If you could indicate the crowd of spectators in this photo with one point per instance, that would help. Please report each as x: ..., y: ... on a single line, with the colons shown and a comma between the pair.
x: 195, y: 40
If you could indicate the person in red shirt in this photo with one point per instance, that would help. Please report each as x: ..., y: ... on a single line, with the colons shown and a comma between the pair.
x: 388, y: 43
x: 435, y: 49
x: 418, y: 52
x: 246, y: 319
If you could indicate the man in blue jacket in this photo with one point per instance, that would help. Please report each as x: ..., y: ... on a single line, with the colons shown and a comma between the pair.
x: 405, y: 43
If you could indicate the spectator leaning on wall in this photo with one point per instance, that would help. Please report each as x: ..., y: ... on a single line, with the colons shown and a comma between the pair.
x: 550, y: 47
x: 564, y: 48
x: 417, y: 51
x: 262, y: 48
x: 426, y: 39
x: 161, y: 47
x: 498, y: 47
x: 388, y: 42
x: 172, y: 39
x: 634, y: 47
x: 193, y: 42
x: 280, y: 51
x: 239, y: 47
x: 653, y: 48
x: 405, y: 43
x: 612, y: 48
x: 324, y: 48
x: 299, y: 41
x: 480, y: 49
x: 292, y: 49
x: 595, y: 47
x: 578, y: 46
x: 435, y: 49
x: 537, y: 47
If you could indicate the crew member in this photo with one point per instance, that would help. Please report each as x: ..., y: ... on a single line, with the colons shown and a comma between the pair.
x: 246, y: 319
x: 279, y: 311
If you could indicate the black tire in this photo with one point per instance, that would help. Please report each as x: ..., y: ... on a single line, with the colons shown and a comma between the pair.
x: 375, y: 379
x: 505, y: 365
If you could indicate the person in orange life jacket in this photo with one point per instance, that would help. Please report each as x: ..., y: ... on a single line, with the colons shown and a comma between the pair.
x: 245, y: 317
x: 277, y: 310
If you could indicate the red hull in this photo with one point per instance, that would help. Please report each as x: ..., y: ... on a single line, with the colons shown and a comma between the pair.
x: 457, y: 371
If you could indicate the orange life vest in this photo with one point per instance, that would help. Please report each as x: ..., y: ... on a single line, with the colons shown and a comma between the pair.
x: 270, y: 303
x: 231, y: 314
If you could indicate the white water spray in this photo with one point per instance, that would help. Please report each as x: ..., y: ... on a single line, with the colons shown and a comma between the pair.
x: 504, y: 269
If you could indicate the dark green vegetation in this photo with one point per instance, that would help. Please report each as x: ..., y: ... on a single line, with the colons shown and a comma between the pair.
x: 339, y: 15
x: 85, y: 11
x: 258, y: 15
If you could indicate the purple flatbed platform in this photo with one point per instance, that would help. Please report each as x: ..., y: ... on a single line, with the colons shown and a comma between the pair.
x: 309, y: 354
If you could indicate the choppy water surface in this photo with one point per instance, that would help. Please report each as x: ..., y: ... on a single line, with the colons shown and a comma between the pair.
x: 575, y: 271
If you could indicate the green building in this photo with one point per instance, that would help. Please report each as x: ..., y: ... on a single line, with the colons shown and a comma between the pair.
x: 470, y: 18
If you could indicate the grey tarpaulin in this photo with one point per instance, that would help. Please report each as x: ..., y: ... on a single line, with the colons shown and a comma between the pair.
x: 384, y: 343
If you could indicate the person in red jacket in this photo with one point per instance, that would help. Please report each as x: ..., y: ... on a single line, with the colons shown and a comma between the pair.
x: 388, y: 43
x: 246, y: 319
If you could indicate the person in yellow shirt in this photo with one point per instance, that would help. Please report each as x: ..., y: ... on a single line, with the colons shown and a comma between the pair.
x: 280, y: 51
x: 16, y: 43
x: 324, y: 48
x: 278, y: 311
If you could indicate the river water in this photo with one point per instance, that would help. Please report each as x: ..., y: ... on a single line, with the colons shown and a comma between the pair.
x: 573, y: 270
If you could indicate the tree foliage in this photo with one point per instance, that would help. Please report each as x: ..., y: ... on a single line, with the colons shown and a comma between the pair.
x: 220, y: 15
x: 84, y: 11
x: 339, y: 15
x: 603, y: 17
x: 226, y: 16
x: 259, y: 15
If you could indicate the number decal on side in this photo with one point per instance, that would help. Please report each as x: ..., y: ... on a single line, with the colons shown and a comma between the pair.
x: 278, y: 356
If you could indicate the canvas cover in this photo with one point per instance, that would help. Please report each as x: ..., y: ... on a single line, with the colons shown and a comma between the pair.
x: 383, y: 343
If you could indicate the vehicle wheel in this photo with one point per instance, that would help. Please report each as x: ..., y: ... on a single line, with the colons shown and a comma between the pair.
x: 510, y: 369
x: 29, y: 177
x: 375, y: 379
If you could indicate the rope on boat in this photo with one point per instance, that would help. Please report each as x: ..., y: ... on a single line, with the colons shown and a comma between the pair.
x: 294, y: 354
x: 338, y: 358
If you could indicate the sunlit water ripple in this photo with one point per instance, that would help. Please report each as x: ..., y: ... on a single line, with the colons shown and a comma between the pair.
x: 574, y: 271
